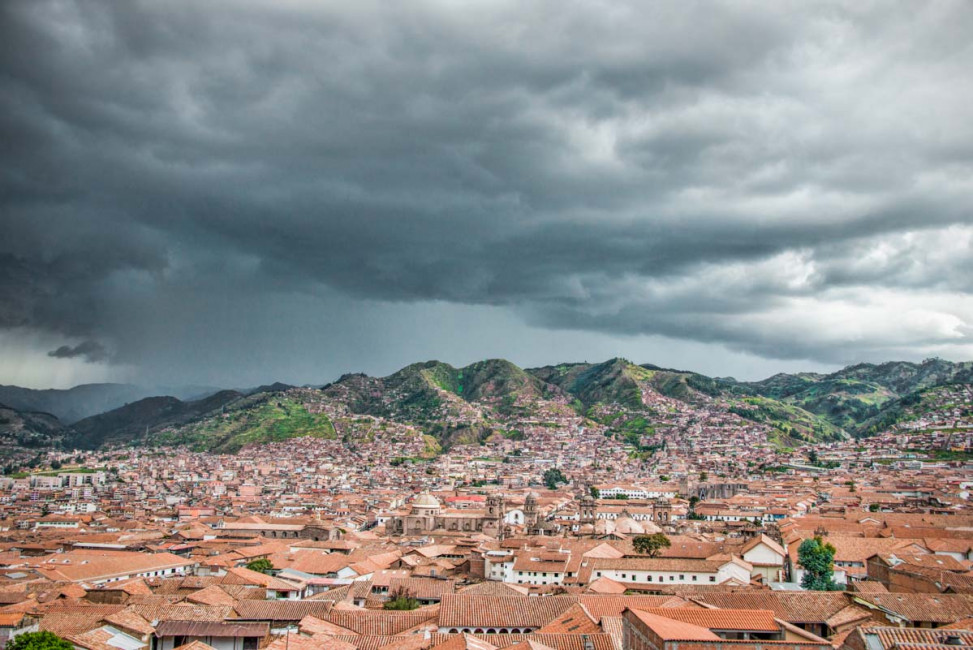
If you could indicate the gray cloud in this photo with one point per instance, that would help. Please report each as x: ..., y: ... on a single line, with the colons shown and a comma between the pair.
x: 88, y: 350
x: 726, y: 173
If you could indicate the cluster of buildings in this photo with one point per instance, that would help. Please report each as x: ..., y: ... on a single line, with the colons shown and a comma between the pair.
x: 370, y: 541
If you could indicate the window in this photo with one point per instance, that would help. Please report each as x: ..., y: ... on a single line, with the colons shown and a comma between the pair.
x: 712, y: 578
x: 694, y: 578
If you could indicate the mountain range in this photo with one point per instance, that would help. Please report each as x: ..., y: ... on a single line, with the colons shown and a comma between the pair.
x: 451, y: 406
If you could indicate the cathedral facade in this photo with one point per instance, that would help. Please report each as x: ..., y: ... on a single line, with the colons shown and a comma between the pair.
x: 427, y: 516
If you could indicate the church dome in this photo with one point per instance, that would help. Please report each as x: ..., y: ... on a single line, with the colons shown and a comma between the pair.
x: 650, y: 528
x: 425, y: 500
x: 604, y: 527
x: 629, y: 526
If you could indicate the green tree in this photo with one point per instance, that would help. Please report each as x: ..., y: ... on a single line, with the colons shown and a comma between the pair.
x: 703, y: 476
x: 401, y: 600
x: 874, y: 507
x: 38, y: 641
x: 812, y: 457
x: 595, y: 494
x: 817, y: 558
x: 552, y: 477
x: 263, y: 565
x: 651, y: 545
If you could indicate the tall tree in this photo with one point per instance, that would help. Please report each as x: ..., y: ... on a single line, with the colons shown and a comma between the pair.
x: 651, y: 545
x: 552, y: 477
x: 817, y: 558
x: 263, y: 565
x: 38, y: 641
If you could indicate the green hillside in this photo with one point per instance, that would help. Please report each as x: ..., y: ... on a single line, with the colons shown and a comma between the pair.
x: 863, y: 398
x: 793, y: 422
x: 265, y: 417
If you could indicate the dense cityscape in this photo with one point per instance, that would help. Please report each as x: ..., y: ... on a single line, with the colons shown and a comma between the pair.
x: 699, y: 529
x: 486, y: 325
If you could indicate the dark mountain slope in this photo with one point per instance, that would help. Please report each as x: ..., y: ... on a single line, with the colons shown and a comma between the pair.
x: 73, y: 404
x: 27, y: 430
x: 132, y: 421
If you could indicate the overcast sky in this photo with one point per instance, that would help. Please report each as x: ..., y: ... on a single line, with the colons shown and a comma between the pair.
x: 233, y: 192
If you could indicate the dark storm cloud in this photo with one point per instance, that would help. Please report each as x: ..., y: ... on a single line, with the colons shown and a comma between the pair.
x: 736, y: 173
x: 88, y: 350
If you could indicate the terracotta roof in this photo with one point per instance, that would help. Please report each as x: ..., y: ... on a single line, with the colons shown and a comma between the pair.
x: 494, y: 588
x: 464, y: 642
x: 212, y: 595
x: 463, y: 610
x: 96, y: 639
x: 895, y: 637
x: 299, y: 642
x: 576, y: 620
x: 313, y: 626
x: 672, y: 630
x: 66, y: 621
x: 801, y: 607
x: 935, y: 608
x: 605, y: 585
x: 378, y: 622
x: 281, y: 610
x: 423, y: 588
x: 219, y: 629
x: 606, y: 605
x: 755, y: 620
x: 182, y: 612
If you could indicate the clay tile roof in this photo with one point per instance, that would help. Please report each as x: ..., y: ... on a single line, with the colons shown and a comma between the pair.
x: 378, y: 622
x: 463, y: 610
x: 314, y: 626
x: 935, y: 608
x: 849, y: 614
x: 130, y: 621
x: 605, y: 605
x: 576, y: 620
x: 96, y: 639
x: 281, y: 610
x: 423, y: 588
x: 672, y: 630
x: 493, y: 588
x: 803, y: 607
x: 218, y: 629
x: 69, y: 621
x: 537, y: 641
x: 606, y: 586
x: 212, y: 595
x: 758, y: 620
x: 182, y: 612
x: 464, y: 642
x: 299, y: 642
x: 896, y: 637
